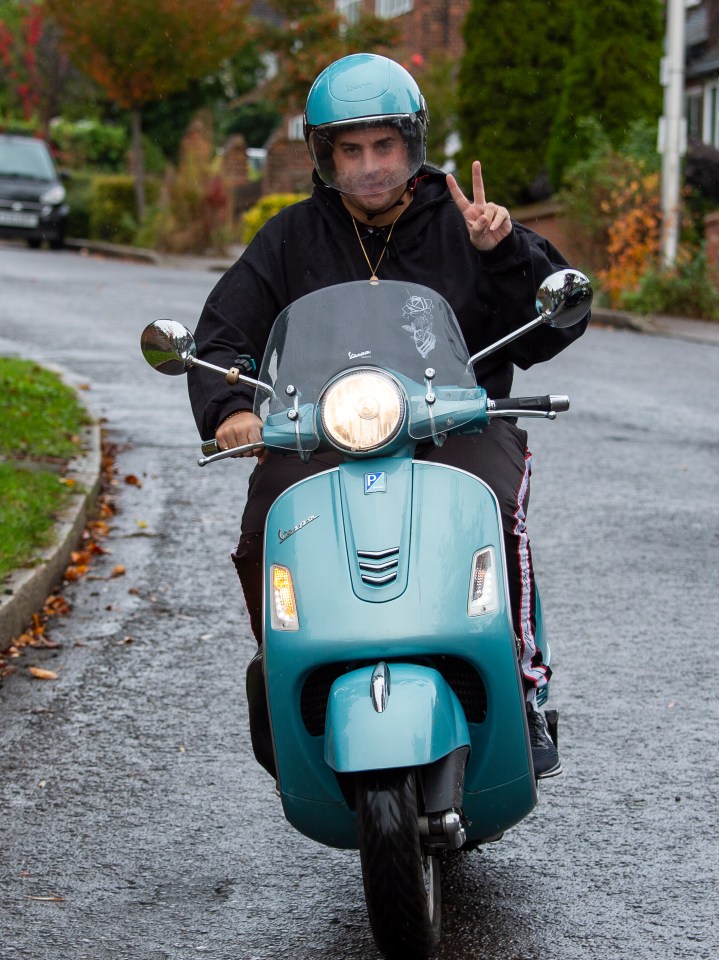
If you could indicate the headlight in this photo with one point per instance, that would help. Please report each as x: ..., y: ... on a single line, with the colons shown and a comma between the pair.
x: 54, y: 195
x: 362, y: 410
x: 483, y: 588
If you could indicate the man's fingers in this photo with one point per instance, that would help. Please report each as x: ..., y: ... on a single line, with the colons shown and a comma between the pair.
x: 495, y: 216
x: 477, y: 183
x: 456, y: 194
x: 239, y: 430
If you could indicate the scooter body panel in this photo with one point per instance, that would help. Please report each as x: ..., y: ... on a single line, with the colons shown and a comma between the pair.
x: 432, y: 518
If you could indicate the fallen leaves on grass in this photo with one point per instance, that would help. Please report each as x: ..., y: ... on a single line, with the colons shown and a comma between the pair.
x: 81, y: 560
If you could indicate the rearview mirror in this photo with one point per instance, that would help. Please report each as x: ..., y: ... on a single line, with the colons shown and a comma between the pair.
x: 168, y: 346
x: 564, y: 298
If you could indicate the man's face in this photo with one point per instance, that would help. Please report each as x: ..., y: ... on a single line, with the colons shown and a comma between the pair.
x: 369, y: 164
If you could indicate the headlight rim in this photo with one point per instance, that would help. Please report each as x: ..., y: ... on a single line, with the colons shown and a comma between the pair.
x: 351, y: 372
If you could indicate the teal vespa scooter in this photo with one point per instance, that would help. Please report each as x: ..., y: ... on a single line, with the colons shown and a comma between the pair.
x: 386, y: 699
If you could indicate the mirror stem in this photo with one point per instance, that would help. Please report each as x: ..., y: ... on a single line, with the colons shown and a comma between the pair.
x: 232, y: 376
x: 493, y: 347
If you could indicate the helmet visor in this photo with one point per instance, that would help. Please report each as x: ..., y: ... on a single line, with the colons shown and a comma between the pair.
x: 370, y: 155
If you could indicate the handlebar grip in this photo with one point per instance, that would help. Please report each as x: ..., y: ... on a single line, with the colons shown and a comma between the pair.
x: 209, y: 447
x: 546, y: 404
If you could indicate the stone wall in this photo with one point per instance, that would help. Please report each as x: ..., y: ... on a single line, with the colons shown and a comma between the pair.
x: 288, y: 167
x: 711, y: 233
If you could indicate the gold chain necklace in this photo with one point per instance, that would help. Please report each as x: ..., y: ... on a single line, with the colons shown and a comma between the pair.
x: 374, y: 279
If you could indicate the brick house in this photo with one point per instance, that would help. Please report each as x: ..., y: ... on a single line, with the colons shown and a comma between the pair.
x: 425, y: 25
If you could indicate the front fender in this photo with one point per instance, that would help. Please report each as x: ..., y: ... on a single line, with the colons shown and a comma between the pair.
x: 422, y: 721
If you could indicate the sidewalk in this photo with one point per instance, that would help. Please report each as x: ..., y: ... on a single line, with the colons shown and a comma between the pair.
x: 27, y: 590
x: 680, y: 328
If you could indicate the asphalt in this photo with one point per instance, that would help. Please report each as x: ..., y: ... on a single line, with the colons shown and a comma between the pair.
x: 25, y: 592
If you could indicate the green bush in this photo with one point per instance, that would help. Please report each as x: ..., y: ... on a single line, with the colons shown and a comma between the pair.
x: 588, y: 199
x: 112, y: 206
x: 690, y: 289
x: 91, y: 143
x: 264, y: 209
x: 78, y: 186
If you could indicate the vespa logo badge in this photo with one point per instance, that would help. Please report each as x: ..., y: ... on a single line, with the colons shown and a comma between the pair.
x: 286, y: 534
x: 375, y: 482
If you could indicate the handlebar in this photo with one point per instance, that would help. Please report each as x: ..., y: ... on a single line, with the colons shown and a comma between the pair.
x: 548, y: 406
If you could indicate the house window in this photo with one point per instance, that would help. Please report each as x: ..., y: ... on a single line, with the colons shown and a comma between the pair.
x: 694, y: 109
x: 349, y: 9
x: 392, y: 8
x: 711, y: 114
x: 295, y: 130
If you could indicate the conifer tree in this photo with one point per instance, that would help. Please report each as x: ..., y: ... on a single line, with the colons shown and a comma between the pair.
x: 611, y: 75
x: 509, y: 88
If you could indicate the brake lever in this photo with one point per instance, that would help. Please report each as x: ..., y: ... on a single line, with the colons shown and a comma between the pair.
x: 224, y: 454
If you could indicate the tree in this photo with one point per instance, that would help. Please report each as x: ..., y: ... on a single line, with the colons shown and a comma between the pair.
x: 311, y: 36
x: 21, y: 28
x: 140, y: 51
x: 509, y: 88
x: 437, y: 79
x: 36, y: 76
x: 611, y: 75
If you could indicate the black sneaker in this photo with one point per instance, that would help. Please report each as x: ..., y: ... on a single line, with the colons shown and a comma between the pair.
x: 544, y: 751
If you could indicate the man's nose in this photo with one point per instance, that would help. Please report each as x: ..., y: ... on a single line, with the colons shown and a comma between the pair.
x: 370, y: 160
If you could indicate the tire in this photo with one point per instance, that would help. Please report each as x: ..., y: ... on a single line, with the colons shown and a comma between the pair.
x: 34, y: 243
x: 401, y: 883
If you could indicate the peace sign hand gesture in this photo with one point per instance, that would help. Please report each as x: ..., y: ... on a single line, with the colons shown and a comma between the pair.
x: 487, y: 223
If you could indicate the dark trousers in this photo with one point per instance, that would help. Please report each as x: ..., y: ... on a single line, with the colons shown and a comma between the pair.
x: 498, y: 456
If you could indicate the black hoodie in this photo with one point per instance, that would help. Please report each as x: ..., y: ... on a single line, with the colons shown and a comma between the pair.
x: 313, y: 244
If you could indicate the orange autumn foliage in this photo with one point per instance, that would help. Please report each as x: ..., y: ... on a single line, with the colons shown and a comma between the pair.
x: 634, y: 234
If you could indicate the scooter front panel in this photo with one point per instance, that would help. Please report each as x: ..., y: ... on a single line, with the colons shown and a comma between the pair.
x: 439, y: 517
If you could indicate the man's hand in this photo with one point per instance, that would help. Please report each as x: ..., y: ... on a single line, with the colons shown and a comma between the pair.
x: 239, y: 429
x: 487, y: 223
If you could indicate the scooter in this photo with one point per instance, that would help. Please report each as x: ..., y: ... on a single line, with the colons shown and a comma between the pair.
x: 386, y: 698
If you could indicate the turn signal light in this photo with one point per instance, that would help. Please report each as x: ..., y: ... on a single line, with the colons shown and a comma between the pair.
x: 284, y: 608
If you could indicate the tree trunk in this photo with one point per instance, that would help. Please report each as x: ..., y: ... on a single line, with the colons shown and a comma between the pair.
x: 138, y: 162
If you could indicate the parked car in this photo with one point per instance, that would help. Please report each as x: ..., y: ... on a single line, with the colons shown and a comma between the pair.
x: 32, y: 196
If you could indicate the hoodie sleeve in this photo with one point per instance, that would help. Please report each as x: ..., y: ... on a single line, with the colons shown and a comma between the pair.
x: 515, y: 270
x: 236, y: 319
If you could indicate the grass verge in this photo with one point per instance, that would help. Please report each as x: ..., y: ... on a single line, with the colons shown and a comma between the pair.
x: 40, y: 430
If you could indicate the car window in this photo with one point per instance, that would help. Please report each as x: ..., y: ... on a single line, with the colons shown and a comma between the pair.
x: 26, y: 158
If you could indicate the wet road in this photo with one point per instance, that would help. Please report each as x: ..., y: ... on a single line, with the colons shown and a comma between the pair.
x: 128, y: 788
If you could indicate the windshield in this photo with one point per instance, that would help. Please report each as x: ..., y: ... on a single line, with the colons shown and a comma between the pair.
x: 26, y: 158
x: 404, y: 328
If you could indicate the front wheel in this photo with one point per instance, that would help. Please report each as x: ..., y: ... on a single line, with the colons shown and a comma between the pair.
x: 401, y: 881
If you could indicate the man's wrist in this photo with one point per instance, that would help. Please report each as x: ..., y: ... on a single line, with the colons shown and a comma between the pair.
x: 235, y: 413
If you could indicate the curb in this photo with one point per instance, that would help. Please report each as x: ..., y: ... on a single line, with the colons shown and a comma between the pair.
x: 621, y: 320
x: 121, y: 251
x: 212, y: 263
x: 25, y: 591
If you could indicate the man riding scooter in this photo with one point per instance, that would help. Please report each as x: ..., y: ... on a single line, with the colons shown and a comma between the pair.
x: 379, y: 212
